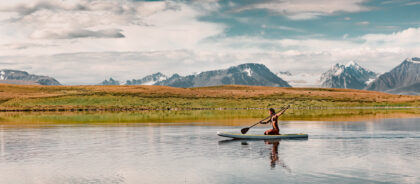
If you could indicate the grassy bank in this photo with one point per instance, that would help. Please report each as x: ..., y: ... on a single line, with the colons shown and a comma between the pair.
x: 65, y: 98
x: 215, y: 117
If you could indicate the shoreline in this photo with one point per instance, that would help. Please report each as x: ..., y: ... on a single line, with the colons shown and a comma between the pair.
x: 218, y: 117
x: 199, y: 109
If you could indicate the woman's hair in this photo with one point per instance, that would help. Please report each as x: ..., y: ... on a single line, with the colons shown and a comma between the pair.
x: 272, y: 111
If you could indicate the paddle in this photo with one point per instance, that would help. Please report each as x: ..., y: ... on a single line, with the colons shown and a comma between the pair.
x: 245, y: 130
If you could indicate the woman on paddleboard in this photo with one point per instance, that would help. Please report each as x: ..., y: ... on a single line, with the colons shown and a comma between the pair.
x: 273, y: 120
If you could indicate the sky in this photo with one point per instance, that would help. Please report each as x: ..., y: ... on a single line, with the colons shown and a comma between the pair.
x: 87, y: 41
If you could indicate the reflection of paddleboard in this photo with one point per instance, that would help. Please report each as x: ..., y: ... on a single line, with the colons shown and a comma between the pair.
x: 263, y: 137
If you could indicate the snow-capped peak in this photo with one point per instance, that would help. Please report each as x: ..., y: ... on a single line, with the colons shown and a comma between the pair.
x: 162, y: 78
x: 148, y: 80
x: 370, y: 80
x: 248, y: 71
x: 2, y: 75
x: 351, y: 63
x: 338, y: 71
x: 154, y: 80
x: 350, y: 75
x: 413, y: 60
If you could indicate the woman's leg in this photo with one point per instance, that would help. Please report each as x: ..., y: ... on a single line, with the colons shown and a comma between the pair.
x: 271, y: 132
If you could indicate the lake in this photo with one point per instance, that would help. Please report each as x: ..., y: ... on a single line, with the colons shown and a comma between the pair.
x: 363, y: 151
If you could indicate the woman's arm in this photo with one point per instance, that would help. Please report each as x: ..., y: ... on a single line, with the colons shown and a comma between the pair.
x: 265, y: 122
x: 280, y: 113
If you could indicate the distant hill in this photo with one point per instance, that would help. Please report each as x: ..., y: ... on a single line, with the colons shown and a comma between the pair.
x: 111, y: 81
x: 148, y: 80
x: 413, y: 89
x: 350, y: 76
x: 22, y: 77
x: 403, y: 79
x: 245, y: 74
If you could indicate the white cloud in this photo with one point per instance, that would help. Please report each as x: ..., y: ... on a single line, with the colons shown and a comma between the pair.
x: 308, y: 57
x: 93, y: 67
x: 414, y: 3
x: 302, y: 79
x: 128, y: 26
x: 303, y: 57
x: 407, y: 38
x: 306, y: 9
x: 78, y: 18
x: 84, y: 12
x: 389, y: 27
x: 285, y: 28
x: 81, y: 41
x: 363, y: 23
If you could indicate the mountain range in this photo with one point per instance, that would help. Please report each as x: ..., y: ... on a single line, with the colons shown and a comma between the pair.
x: 403, y: 79
x: 351, y: 76
x: 111, y: 81
x: 148, y: 80
x: 244, y: 74
x: 22, y: 77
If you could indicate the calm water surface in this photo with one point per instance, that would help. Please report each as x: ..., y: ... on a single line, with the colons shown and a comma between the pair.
x: 383, y: 151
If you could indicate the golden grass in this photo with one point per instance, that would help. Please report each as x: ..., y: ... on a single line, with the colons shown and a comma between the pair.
x: 15, y: 97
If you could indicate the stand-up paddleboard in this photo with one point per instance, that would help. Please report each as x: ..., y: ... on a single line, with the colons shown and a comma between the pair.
x: 262, y: 137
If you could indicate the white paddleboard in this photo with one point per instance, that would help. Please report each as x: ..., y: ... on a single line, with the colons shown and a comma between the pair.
x: 262, y: 137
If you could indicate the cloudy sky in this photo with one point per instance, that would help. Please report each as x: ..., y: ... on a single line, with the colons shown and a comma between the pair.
x: 86, y: 41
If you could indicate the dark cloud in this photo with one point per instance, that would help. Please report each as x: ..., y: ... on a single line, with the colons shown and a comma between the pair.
x: 79, y: 33
x: 83, y: 33
x: 18, y: 46
x: 23, y: 9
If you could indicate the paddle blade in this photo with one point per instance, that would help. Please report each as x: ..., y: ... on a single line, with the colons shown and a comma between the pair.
x: 244, y: 130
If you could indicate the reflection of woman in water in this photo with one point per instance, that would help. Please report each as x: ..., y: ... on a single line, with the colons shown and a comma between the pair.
x: 274, y: 155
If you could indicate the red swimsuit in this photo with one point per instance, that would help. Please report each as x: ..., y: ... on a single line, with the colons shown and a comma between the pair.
x: 275, y: 130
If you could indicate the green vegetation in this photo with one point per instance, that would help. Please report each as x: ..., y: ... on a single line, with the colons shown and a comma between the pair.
x: 215, y: 117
